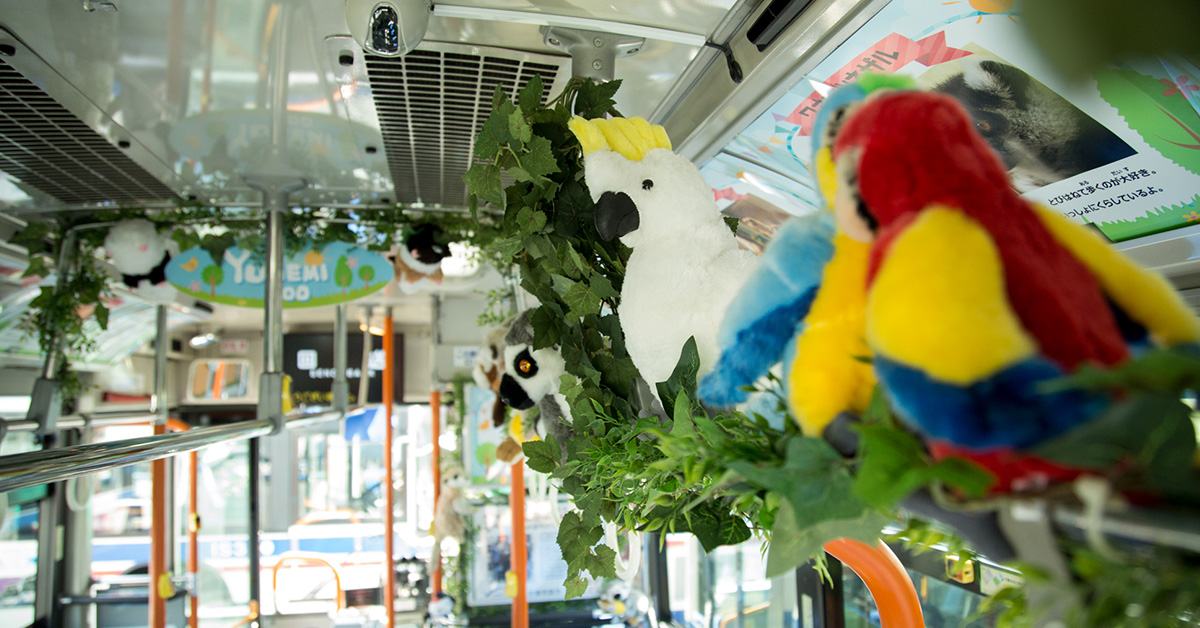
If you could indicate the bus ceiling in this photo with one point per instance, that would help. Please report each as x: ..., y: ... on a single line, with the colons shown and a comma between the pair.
x: 227, y: 103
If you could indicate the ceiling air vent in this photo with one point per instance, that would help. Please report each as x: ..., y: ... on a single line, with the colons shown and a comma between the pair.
x: 432, y: 103
x: 45, y: 146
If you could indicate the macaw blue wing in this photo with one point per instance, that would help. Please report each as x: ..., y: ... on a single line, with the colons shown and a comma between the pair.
x: 769, y: 308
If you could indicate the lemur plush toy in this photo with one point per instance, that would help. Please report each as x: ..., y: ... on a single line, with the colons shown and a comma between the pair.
x: 141, y: 255
x: 976, y: 297
x: 685, y: 266
x: 531, y: 377
x: 418, y: 262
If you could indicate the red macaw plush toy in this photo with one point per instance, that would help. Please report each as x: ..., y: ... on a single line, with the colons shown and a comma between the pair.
x: 976, y: 296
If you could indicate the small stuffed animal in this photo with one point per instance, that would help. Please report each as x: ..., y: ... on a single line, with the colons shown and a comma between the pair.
x: 685, y: 266
x: 141, y: 255
x: 448, y: 521
x: 489, y: 368
x: 976, y: 296
x: 532, y: 378
x: 627, y: 604
x: 419, y: 262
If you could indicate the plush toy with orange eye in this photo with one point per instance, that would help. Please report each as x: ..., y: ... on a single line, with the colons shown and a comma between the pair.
x: 531, y: 378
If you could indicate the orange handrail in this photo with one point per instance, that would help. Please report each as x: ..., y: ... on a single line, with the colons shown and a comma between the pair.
x: 309, y: 559
x: 516, y: 499
x: 389, y: 527
x: 886, y: 579
x: 730, y: 618
x: 251, y: 616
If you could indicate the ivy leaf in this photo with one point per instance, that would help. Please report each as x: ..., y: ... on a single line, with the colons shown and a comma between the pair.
x: 793, y: 544
x: 495, y: 132
x: 542, y: 455
x: 894, y: 465
x: 216, y: 245
x: 539, y: 160
x: 576, y: 586
x: 518, y: 128
x: 574, y: 211
x: 682, y: 378
x: 596, y: 99
x: 604, y: 562
x: 531, y: 95
x: 1163, y: 370
x: 575, y: 538
x: 531, y: 221
x: 102, y: 315
x: 714, y: 526
x: 582, y: 299
x: 732, y: 223
x: 483, y: 180
x: 603, y: 287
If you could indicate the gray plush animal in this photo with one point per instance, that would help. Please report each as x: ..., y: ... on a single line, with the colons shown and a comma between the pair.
x: 1041, y: 137
x: 531, y: 378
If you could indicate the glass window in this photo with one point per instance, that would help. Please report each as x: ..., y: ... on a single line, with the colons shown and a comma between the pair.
x: 943, y: 605
x: 218, y: 379
x: 223, y: 506
x: 18, y: 542
x: 728, y: 587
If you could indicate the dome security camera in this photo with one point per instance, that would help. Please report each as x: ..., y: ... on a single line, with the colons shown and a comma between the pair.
x: 388, y: 27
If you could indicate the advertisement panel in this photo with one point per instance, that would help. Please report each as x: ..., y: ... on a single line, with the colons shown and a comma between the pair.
x: 1119, y: 149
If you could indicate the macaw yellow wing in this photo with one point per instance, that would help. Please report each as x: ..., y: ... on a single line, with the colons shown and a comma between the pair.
x: 939, y: 303
x: 829, y: 374
x: 1142, y: 294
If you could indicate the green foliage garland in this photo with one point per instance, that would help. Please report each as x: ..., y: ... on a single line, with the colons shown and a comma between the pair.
x: 59, y: 313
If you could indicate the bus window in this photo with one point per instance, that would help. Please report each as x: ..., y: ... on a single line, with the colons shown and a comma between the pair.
x: 223, y: 505
x: 18, y: 543
x: 218, y: 379
x: 730, y: 589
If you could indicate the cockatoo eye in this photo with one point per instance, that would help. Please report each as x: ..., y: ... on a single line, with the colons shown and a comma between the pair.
x: 647, y: 184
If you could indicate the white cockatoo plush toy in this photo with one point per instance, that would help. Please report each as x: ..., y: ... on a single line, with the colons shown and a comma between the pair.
x: 141, y: 255
x: 685, y: 266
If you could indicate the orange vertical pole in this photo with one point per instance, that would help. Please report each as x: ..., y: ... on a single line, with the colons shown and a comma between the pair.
x: 158, y: 536
x: 389, y: 527
x: 435, y: 409
x: 516, y: 502
x: 193, y: 559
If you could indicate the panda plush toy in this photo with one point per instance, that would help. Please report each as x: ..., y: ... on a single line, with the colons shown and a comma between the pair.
x: 141, y: 255
x: 531, y: 377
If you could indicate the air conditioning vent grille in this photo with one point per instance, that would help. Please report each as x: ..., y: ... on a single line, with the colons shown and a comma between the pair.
x: 432, y: 103
x: 45, y: 146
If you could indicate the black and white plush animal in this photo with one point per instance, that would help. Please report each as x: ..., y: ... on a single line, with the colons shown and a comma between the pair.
x: 532, y: 378
x: 1041, y: 137
x: 141, y: 255
x: 419, y: 261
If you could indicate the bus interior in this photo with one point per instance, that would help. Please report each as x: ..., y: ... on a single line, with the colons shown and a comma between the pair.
x: 221, y: 456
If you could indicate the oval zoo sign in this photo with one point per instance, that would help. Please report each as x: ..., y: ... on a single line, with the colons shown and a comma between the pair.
x: 335, y: 274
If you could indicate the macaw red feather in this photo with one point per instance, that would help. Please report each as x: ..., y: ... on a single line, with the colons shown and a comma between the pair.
x: 903, y: 169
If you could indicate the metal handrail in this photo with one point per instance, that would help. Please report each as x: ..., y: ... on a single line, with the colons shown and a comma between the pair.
x: 53, y: 465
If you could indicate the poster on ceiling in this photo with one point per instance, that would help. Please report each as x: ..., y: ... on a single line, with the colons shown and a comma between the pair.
x: 334, y: 273
x: 1119, y: 149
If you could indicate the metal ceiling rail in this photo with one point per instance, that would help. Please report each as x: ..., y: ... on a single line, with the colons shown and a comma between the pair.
x: 54, y: 465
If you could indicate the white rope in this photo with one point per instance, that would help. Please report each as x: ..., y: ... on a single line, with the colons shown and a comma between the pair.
x: 626, y: 570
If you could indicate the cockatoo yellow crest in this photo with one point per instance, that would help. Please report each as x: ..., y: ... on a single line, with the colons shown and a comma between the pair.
x: 632, y: 138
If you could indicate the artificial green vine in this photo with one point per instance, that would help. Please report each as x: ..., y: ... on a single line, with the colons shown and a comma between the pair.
x: 59, y: 315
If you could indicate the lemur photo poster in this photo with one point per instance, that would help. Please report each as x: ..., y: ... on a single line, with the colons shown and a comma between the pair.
x: 1119, y: 149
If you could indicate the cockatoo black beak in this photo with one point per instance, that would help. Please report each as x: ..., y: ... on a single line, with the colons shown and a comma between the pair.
x: 616, y: 215
x: 513, y: 395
